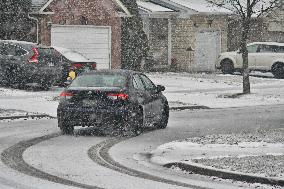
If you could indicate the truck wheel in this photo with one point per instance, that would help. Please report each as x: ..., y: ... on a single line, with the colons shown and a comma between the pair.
x: 278, y: 70
x: 227, y: 66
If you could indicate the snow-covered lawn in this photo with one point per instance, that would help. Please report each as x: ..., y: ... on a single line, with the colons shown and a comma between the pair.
x: 218, y: 91
x: 260, y: 153
x: 20, y: 102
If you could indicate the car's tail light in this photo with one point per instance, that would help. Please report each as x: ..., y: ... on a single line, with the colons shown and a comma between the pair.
x: 118, y: 96
x: 66, y: 95
x: 77, y: 65
x: 34, y: 57
x: 94, y: 66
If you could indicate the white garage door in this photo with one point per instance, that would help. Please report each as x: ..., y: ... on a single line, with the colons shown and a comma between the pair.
x: 207, y: 49
x: 92, y: 41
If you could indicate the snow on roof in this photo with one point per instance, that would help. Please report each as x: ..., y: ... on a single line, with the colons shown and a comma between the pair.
x: 152, y: 7
x: 38, y: 4
x: 201, y: 6
x: 267, y: 43
x: 19, y: 42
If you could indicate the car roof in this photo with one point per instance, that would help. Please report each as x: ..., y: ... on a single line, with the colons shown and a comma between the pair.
x: 24, y: 43
x: 111, y: 71
x: 267, y: 43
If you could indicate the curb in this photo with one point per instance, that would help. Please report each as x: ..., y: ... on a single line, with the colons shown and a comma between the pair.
x: 27, y: 116
x: 226, y: 174
x: 189, y: 107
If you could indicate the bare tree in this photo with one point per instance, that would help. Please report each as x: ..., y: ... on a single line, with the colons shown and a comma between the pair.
x: 247, y: 11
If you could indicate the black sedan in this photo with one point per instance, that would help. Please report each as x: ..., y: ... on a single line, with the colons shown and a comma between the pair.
x: 113, y: 100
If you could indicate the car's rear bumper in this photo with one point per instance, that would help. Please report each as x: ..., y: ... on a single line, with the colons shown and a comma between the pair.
x: 87, y: 116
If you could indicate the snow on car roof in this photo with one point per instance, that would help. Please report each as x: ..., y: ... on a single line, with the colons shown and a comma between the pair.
x: 149, y: 6
x: 72, y: 55
x: 19, y: 42
x: 267, y: 43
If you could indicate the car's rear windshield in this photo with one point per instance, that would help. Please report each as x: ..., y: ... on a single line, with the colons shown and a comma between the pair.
x: 48, y: 55
x: 100, y: 80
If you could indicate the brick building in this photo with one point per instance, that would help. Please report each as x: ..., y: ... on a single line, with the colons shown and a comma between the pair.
x: 188, y: 34
x: 91, y: 27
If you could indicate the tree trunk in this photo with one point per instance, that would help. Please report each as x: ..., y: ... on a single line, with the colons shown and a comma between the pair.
x: 244, y: 51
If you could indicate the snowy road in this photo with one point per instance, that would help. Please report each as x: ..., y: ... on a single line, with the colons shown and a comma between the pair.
x: 67, y: 158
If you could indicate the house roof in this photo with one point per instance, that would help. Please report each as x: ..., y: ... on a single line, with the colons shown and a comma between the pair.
x: 192, y: 6
x: 201, y: 6
x: 148, y: 6
x: 39, y: 6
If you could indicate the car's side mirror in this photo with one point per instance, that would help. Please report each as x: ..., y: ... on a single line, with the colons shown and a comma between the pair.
x: 160, y: 88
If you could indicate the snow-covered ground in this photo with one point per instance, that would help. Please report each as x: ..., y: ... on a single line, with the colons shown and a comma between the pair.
x: 260, y: 153
x: 218, y: 91
x: 182, y: 89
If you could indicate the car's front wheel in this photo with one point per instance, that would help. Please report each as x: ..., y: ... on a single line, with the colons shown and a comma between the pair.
x: 278, y: 70
x: 64, y: 127
x: 165, y: 117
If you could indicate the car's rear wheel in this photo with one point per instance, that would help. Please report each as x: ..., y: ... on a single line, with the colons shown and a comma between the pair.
x: 278, y: 70
x: 64, y: 127
x: 165, y: 117
x: 227, y: 66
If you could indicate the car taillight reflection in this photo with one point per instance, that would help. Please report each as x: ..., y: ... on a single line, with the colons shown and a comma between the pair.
x: 94, y: 66
x: 77, y: 66
x: 66, y: 95
x: 34, y: 57
x: 118, y: 96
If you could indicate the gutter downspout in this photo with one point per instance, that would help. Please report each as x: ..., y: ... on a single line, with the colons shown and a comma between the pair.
x: 37, y: 27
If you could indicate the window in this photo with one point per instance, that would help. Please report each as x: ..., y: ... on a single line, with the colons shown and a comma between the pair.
x: 149, y: 85
x: 100, y: 80
x: 252, y: 48
x: 266, y: 49
x: 11, y: 50
x: 137, y: 83
x: 19, y: 51
x: 280, y: 49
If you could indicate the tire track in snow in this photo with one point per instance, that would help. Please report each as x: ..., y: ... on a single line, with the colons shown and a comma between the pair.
x: 99, y: 154
x: 13, y: 158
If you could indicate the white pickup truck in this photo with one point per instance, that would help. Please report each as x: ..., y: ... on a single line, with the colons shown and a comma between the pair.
x: 263, y: 56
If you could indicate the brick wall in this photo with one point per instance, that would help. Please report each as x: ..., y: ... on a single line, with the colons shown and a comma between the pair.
x: 183, y: 37
x: 85, y: 12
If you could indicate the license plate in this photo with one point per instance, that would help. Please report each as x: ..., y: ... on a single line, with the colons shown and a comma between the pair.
x: 96, y: 117
x: 89, y: 102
